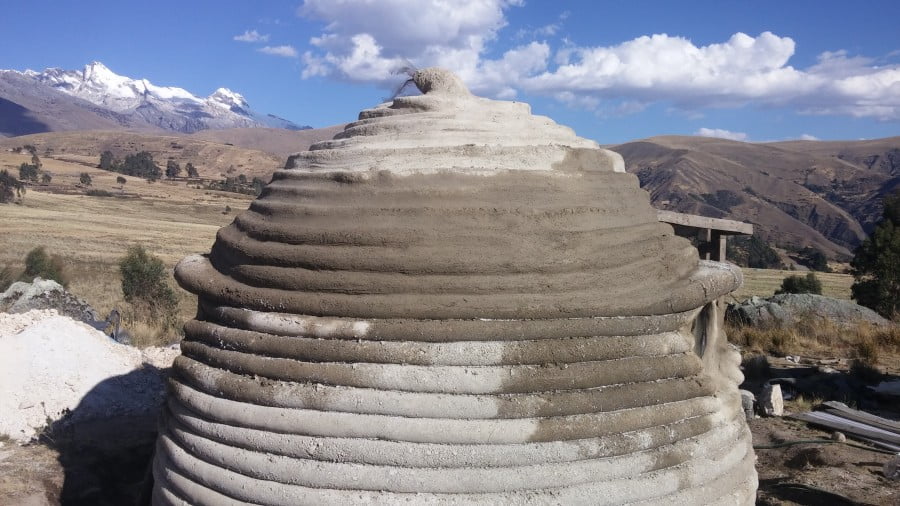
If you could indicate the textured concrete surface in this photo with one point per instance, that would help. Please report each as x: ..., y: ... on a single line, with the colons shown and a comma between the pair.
x: 454, y: 301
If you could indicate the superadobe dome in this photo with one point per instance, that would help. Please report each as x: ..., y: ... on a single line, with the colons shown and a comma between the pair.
x: 454, y: 301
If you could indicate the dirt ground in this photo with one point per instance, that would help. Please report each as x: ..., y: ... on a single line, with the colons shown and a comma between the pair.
x: 817, y: 474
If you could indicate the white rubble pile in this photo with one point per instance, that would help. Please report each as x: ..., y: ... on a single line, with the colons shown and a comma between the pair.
x: 51, y: 365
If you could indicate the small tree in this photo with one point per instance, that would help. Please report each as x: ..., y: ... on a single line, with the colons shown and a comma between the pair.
x: 85, y: 178
x: 46, y: 178
x: 191, y: 170
x: 108, y: 161
x: 172, y: 169
x: 876, y: 264
x: 258, y: 185
x: 144, y: 282
x: 801, y: 284
x: 28, y: 172
x: 39, y: 264
x: 10, y: 187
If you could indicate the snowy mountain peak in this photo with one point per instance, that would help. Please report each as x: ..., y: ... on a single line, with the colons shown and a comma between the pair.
x: 227, y: 98
x: 168, y: 107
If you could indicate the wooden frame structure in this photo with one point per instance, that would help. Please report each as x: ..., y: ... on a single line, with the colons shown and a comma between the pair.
x: 711, y: 232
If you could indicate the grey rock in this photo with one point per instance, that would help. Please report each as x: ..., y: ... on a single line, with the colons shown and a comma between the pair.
x: 790, y: 308
x: 748, y: 400
x: 22, y: 297
x: 770, y: 401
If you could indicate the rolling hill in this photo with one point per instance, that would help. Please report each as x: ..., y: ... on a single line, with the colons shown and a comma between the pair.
x: 803, y: 193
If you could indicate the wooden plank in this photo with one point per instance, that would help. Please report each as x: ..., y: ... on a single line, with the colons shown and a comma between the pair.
x: 849, y: 427
x: 842, y: 410
x: 728, y: 227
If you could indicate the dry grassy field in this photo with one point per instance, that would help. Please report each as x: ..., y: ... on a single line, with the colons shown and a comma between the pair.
x: 764, y: 282
x: 91, y: 234
x: 170, y: 220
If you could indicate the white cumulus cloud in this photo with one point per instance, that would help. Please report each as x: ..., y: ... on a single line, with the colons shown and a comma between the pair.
x: 285, y: 51
x: 251, y: 36
x: 807, y: 137
x: 366, y: 41
x: 721, y: 134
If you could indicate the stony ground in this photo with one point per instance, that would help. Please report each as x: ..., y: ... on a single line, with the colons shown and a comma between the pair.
x: 817, y: 474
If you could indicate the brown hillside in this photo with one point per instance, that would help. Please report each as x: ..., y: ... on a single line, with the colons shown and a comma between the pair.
x: 796, y: 197
x: 279, y: 142
x: 213, y: 160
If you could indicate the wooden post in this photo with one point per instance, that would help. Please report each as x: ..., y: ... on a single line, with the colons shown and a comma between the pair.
x: 719, y: 247
x: 706, y: 246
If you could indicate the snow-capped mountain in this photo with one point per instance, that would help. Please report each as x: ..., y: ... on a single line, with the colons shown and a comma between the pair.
x: 136, y: 102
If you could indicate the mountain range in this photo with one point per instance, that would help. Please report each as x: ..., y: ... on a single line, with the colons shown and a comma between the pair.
x: 798, y: 194
x: 97, y: 98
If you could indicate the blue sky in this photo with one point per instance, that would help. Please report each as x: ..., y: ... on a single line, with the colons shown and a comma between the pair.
x: 614, y: 71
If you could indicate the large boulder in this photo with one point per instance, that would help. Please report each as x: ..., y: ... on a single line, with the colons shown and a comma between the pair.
x: 22, y: 297
x: 790, y: 308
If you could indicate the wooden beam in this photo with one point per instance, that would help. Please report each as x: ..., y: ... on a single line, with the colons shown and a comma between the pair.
x: 725, y: 227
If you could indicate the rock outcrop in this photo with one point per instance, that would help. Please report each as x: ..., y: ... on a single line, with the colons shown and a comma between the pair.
x: 454, y: 301
x: 791, y: 308
x: 22, y: 297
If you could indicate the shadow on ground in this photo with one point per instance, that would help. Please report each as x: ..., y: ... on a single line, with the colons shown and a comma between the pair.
x: 105, y: 444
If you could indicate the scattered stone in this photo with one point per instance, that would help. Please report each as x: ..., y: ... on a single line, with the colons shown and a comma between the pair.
x: 892, y: 468
x: 838, y: 436
x: 748, y: 401
x: 771, y: 402
x: 22, y: 297
x: 789, y: 308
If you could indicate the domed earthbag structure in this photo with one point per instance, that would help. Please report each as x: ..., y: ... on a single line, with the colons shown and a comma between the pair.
x: 454, y: 301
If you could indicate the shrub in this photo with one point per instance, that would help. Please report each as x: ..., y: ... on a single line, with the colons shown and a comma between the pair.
x: 98, y: 193
x: 7, y: 277
x: 46, y: 178
x: 39, y: 264
x: 85, y: 179
x: 144, y: 282
x: 753, y: 252
x: 813, y: 259
x: 121, y: 180
x: 801, y: 284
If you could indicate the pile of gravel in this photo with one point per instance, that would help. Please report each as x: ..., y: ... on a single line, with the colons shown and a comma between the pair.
x: 52, y: 366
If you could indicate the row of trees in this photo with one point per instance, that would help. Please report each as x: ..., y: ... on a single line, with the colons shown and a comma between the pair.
x: 142, y: 165
x: 239, y: 184
x: 139, y: 164
x: 173, y: 169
